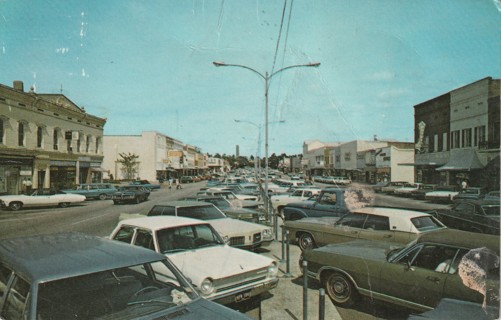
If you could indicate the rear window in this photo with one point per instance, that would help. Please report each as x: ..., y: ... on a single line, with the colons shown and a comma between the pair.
x: 202, y: 213
x: 162, y: 211
x: 425, y: 223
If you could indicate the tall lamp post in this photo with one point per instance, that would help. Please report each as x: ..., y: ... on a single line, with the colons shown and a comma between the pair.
x: 259, y: 139
x: 267, y: 78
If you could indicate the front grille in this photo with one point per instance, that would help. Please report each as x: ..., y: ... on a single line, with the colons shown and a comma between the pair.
x: 237, y: 241
x: 256, y: 237
x: 241, y: 280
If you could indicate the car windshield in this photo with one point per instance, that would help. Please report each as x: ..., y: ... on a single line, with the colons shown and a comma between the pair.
x: 490, y: 210
x: 208, y: 212
x: 123, y: 293
x: 187, y: 238
x: 394, y: 252
x: 426, y: 223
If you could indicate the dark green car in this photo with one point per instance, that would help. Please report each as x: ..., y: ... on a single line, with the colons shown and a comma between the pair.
x: 440, y: 264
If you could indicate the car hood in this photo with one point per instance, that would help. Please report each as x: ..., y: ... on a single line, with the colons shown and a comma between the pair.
x: 240, y: 211
x: 372, y: 250
x: 202, y: 309
x: 302, y: 204
x: 232, y: 227
x: 225, y: 261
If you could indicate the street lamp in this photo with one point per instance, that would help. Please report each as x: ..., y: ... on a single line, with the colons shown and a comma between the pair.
x: 267, y: 78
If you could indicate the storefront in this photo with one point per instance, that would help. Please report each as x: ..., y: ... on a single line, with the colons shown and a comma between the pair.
x: 13, y: 171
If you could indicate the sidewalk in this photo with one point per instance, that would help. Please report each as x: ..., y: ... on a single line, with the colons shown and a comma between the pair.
x: 286, y: 300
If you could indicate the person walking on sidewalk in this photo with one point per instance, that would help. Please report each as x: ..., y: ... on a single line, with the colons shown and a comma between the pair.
x: 178, y: 184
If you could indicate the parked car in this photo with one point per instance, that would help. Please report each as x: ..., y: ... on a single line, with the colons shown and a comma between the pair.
x: 247, y: 202
x: 186, y: 179
x: 407, y: 189
x: 471, y: 193
x: 372, y: 223
x: 472, y: 215
x: 146, y: 184
x: 378, y: 186
x: 233, y: 209
x: 442, y: 194
x: 423, y: 189
x: 233, y: 275
x: 40, y: 198
x: 416, y: 276
x: 390, y: 187
x: 99, y: 191
x: 280, y: 200
x: 240, y: 234
x: 78, y: 276
x: 130, y: 194
x: 492, y: 196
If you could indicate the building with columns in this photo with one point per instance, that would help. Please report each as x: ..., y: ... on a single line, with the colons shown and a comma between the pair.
x: 48, y: 140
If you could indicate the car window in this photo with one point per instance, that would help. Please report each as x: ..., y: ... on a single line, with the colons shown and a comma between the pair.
x: 377, y: 223
x: 125, y: 234
x: 4, y: 279
x: 202, y: 213
x: 491, y: 210
x: 437, y: 258
x: 144, y: 239
x: 16, y: 299
x: 328, y: 198
x: 463, y: 206
x: 162, y: 211
x: 353, y: 220
x: 425, y: 223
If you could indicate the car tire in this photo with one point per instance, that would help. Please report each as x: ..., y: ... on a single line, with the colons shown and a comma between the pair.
x: 14, y: 206
x: 64, y: 204
x: 306, y: 241
x: 102, y: 196
x: 340, y: 289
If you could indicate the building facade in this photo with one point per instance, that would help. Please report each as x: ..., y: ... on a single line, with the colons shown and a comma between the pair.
x: 46, y: 141
x: 457, y: 136
x: 160, y: 157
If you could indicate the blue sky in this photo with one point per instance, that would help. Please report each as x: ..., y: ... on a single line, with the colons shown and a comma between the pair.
x: 147, y: 65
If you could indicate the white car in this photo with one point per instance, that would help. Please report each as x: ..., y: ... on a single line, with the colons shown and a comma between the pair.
x: 407, y: 189
x: 442, y: 194
x: 301, y: 194
x: 40, y: 198
x: 219, y: 272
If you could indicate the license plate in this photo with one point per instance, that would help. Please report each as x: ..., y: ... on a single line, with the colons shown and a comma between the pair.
x: 242, y: 296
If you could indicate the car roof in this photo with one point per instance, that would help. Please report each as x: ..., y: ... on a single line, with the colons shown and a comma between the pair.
x: 181, y: 203
x: 391, y: 212
x: 463, y: 239
x: 44, y: 258
x: 161, y: 222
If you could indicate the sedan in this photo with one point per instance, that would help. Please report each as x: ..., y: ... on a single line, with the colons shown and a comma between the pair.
x: 440, y: 264
x: 383, y: 224
x: 442, y: 194
x: 472, y: 215
x: 146, y: 184
x: 233, y: 275
x: 40, y: 198
x: 78, y: 276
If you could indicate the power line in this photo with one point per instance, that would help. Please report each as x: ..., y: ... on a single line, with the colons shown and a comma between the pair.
x: 279, y: 36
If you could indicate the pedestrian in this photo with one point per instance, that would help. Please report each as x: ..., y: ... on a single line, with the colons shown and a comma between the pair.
x: 170, y: 183
x: 178, y: 184
x: 464, y: 185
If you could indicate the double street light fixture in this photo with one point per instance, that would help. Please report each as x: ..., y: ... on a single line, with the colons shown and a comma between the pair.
x: 267, y: 78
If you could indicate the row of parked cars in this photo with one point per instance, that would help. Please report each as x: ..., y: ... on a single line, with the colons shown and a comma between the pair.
x: 153, y: 265
x: 341, y: 181
x: 405, y: 257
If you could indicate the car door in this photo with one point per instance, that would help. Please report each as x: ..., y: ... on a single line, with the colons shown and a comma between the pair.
x: 348, y: 228
x: 377, y: 228
x: 326, y: 205
x: 413, y: 277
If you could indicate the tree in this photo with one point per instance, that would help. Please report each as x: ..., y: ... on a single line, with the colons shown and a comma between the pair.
x: 129, y: 163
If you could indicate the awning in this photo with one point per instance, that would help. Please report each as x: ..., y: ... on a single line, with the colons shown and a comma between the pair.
x: 462, y: 160
x: 97, y: 169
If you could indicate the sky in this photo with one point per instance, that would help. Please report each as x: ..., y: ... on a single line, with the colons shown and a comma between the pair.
x: 148, y: 65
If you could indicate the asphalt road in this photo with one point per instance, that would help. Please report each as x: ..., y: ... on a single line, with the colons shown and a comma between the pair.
x: 284, y: 302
